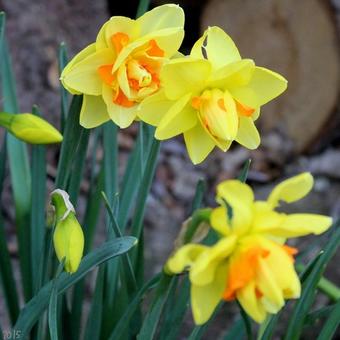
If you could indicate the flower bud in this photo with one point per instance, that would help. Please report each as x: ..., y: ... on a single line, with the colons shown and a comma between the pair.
x: 30, y: 128
x: 68, y: 236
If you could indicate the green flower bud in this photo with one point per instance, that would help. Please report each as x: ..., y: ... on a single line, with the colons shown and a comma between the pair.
x: 30, y: 128
x: 68, y: 237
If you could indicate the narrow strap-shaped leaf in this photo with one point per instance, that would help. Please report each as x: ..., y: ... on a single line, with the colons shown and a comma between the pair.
x: 89, y: 224
x: 152, y: 318
x: 244, y: 173
x: 18, y: 164
x: 62, y: 61
x: 178, y: 305
x: 317, y: 315
x: 36, y: 306
x: 142, y: 7
x: 199, y: 331
x: 133, y: 176
x: 7, y: 277
x: 70, y: 143
x: 199, y: 194
x: 110, y: 142
x: 179, y: 311
x: 247, y: 323
x: 94, y: 320
x: 126, y: 262
x: 78, y: 168
x: 331, y: 324
x: 6, y: 270
x: 38, y: 227
x: 236, y: 331
x: 302, y: 306
x: 125, y: 318
x: 149, y: 172
x: 53, y: 305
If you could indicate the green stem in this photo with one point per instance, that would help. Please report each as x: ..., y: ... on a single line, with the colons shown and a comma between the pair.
x: 324, y: 285
x: 6, y: 120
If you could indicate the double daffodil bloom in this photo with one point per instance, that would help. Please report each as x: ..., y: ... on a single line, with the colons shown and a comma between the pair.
x: 122, y: 67
x: 68, y: 237
x: 250, y: 262
x: 212, y: 97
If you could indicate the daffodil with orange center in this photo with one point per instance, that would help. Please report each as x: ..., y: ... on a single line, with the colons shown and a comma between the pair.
x: 212, y: 96
x: 250, y: 262
x: 122, y: 67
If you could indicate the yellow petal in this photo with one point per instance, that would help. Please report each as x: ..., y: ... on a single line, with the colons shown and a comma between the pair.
x: 76, y: 59
x: 93, y: 112
x: 153, y: 108
x: 161, y: 17
x: 184, y: 258
x: 184, y: 75
x: 83, y: 76
x: 265, y: 218
x: 232, y: 117
x: 168, y: 39
x: 219, y: 221
x: 247, y: 134
x: 266, y: 283
x: 198, y: 143
x: 204, y: 299
x: 221, y: 49
x: 123, y: 80
x: 292, y: 189
x: 235, y: 74
x: 240, y: 197
x: 197, y: 49
x: 296, y: 225
x: 282, y: 269
x: 122, y: 116
x: 180, y: 118
x: 116, y: 24
x: 264, y: 86
x: 204, y: 269
x: 224, y: 145
x: 250, y: 303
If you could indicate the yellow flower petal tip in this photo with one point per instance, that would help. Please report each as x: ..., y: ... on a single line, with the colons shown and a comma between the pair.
x: 68, y: 237
x: 225, y: 94
x: 30, y: 128
x: 250, y: 262
x: 122, y: 68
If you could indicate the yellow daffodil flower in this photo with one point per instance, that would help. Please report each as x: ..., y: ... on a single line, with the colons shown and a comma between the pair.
x: 122, y: 67
x: 250, y: 262
x: 30, y: 128
x: 212, y: 96
x: 68, y: 237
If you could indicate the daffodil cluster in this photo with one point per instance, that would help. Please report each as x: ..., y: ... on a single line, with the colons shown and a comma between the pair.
x: 250, y: 262
x: 134, y: 71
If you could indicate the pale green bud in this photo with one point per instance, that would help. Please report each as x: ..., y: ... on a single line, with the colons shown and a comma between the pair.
x: 68, y: 237
x: 30, y: 128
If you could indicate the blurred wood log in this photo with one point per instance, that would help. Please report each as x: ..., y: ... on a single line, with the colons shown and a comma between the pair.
x: 297, y: 39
